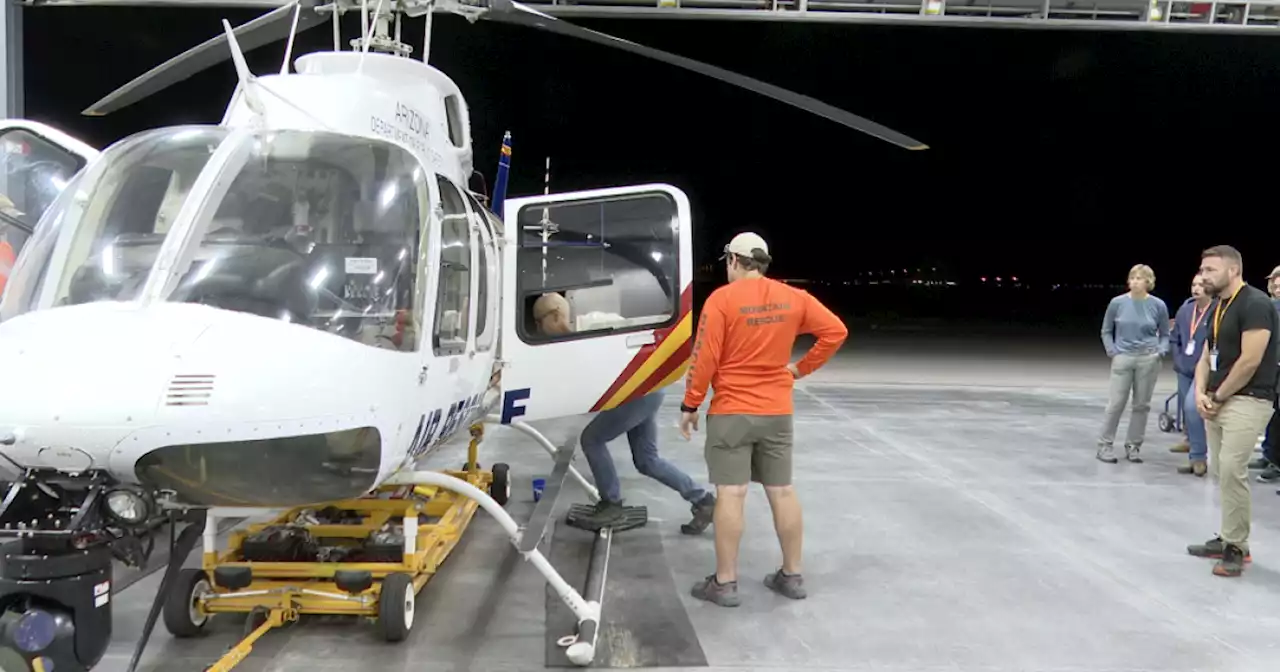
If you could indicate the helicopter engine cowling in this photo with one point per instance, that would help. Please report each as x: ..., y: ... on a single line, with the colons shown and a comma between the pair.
x: 223, y: 408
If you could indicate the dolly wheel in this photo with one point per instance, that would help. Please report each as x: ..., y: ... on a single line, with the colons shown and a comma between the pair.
x: 1166, y: 423
x: 395, y: 607
x: 500, y: 488
x: 183, y: 616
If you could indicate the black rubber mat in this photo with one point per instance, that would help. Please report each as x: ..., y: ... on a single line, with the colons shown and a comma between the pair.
x: 644, y: 623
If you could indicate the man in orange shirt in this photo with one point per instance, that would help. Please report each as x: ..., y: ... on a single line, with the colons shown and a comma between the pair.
x: 743, y: 350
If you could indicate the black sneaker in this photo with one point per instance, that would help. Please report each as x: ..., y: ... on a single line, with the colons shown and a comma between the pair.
x: 1260, y: 463
x: 1269, y: 475
x: 1232, y: 562
x: 1213, y: 549
x: 703, y: 512
x: 606, y: 513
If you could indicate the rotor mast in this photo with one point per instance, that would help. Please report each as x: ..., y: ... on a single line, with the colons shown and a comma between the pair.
x: 375, y: 29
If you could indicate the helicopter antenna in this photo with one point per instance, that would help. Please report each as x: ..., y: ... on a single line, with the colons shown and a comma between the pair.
x: 426, y: 36
x: 546, y: 219
x: 293, y: 34
x: 242, y: 71
x: 337, y: 27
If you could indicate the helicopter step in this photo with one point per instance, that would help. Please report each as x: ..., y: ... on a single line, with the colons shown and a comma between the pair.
x: 632, y: 517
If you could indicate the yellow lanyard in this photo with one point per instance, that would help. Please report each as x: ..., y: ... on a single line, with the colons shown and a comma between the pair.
x: 1217, y: 314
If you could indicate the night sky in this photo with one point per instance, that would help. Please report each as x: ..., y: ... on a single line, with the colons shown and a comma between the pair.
x: 1057, y: 156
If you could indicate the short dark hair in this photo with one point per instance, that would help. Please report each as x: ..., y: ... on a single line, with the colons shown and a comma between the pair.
x: 758, y: 261
x: 1224, y: 252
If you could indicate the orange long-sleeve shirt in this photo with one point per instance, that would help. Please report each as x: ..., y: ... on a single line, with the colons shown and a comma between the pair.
x: 744, y: 342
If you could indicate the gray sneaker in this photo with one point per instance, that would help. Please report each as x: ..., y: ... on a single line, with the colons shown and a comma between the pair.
x: 786, y: 585
x: 1107, y: 453
x: 723, y: 594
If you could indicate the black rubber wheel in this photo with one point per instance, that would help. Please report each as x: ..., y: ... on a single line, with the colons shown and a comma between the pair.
x: 1165, y: 422
x: 182, y: 618
x: 500, y: 488
x: 396, y: 607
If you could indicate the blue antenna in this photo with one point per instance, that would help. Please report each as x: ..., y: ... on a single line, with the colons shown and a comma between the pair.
x: 504, y: 167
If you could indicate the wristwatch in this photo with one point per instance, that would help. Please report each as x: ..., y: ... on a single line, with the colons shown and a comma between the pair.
x: 688, y: 409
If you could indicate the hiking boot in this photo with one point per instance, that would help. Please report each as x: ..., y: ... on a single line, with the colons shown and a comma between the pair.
x: 1232, y: 562
x: 1213, y: 549
x: 604, y: 514
x: 1269, y: 475
x: 1197, y: 467
x: 703, y: 512
x: 1180, y: 447
x: 723, y: 594
x: 1131, y: 453
x: 1107, y: 453
x: 786, y: 585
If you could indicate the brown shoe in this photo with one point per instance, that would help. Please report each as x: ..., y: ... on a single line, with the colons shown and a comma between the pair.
x: 1180, y: 447
x: 1198, y: 468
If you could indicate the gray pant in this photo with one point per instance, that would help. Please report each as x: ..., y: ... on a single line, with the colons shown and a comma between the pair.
x: 1136, y: 375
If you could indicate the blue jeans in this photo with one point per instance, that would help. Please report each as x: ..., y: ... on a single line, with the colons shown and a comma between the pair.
x: 637, y: 419
x: 1191, y: 420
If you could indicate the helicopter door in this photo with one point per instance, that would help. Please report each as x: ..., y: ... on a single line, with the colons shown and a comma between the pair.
x: 36, y: 163
x: 620, y: 260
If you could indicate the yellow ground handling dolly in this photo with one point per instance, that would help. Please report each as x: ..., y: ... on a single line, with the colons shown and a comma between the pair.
x: 364, y: 557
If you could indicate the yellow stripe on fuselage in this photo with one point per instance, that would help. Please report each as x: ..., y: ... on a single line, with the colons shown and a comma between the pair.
x: 674, y: 340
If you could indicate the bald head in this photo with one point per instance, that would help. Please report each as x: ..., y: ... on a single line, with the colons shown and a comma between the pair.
x: 551, y: 314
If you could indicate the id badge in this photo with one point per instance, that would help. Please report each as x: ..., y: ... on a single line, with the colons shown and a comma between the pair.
x: 1191, y: 348
x: 1213, y: 359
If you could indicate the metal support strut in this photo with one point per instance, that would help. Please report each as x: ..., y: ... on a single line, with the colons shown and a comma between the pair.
x: 546, y: 444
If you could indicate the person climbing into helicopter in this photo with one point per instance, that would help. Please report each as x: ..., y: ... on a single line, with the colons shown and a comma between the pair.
x: 638, y: 420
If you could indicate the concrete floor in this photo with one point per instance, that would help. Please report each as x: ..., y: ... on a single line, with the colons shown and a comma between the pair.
x: 956, y: 520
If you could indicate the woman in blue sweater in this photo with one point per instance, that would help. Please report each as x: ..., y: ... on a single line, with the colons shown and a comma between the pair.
x: 1135, y: 334
x: 1190, y: 329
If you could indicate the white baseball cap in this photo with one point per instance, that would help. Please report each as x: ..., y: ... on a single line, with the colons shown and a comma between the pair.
x: 745, y: 244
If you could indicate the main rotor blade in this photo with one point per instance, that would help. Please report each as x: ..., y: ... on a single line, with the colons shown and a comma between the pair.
x: 270, y: 27
x: 507, y: 11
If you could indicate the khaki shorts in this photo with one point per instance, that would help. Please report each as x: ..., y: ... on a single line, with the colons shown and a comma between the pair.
x: 745, y: 448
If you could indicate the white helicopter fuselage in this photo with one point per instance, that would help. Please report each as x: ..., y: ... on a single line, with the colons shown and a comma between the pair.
x: 154, y: 338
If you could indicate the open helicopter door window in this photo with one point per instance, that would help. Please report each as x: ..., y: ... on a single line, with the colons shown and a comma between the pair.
x: 36, y: 164
x: 621, y: 260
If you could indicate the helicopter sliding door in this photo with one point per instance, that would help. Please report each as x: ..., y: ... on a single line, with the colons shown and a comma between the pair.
x: 36, y: 164
x: 620, y: 260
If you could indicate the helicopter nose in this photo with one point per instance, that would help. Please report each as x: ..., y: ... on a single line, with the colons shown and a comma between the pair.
x: 78, y: 379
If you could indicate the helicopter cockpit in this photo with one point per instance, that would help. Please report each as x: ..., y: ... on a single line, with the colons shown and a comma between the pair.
x: 315, y: 228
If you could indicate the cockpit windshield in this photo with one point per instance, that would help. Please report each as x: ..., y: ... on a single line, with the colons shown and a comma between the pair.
x: 318, y: 229
x: 100, y: 242
x: 314, y: 228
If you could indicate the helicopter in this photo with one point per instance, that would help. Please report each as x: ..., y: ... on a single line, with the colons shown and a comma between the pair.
x: 303, y: 302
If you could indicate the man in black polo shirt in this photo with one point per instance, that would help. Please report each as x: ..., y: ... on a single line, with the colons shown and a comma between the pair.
x: 1235, y: 389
